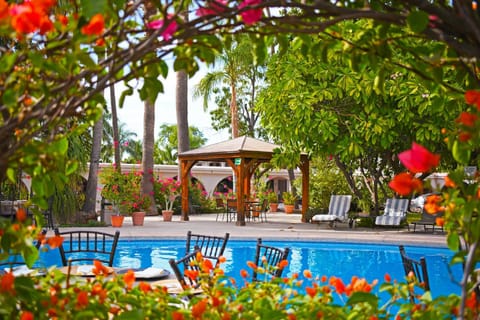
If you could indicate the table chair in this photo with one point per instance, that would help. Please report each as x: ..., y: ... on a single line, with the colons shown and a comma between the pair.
x: 419, y: 269
x: 211, y: 247
x: 87, y: 246
x: 269, y: 258
x: 188, y: 262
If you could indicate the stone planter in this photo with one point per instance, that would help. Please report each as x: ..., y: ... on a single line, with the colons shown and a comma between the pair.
x: 289, y: 208
x: 116, y: 220
x: 273, y: 207
x: 138, y: 218
x: 167, y: 215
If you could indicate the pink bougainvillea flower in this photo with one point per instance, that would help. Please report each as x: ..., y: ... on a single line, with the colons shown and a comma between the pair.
x: 404, y: 184
x: 251, y: 16
x: 168, y: 31
x: 419, y: 159
x: 212, y: 8
x: 467, y: 119
x: 95, y: 27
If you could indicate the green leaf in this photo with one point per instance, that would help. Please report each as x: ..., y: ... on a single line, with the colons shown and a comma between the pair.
x: 125, y: 93
x: 71, y: 168
x: 90, y: 8
x: 11, y: 175
x: 453, y: 241
x: 417, y: 21
x: 7, y: 62
x: 461, y: 153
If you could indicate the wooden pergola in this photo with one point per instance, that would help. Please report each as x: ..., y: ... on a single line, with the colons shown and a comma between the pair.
x: 243, y: 155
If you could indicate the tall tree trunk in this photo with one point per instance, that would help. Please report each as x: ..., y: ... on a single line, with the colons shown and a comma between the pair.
x: 182, y: 122
x: 234, y: 111
x: 147, y: 154
x: 116, y: 135
x: 91, y: 191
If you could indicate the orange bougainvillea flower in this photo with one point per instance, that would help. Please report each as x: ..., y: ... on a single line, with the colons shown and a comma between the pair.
x: 307, y: 274
x: 432, y: 204
x: 55, y: 241
x: 129, y: 278
x: 3, y: 10
x: 387, y: 278
x: 251, y: 265
x: 243, y: 273
x: 440, y: 221
x: 311, y: 291
x: 191, y: 274
x: 21, y: 214
x: 467, y: 119
x: 177, y: 315
x: 7, y: 282
x: 405, y: 183
x: 449, y: 183
x: 199, y: 308
x: 282, y: 264
x: 82, y: 299
x: 207, y: 266
x: 419, y: 159
x: 99, y: 268
x: 338, y: 284
x: 473, y: 97
x: 145, y: 287
x: 95, y: 27
x: 464, y: 136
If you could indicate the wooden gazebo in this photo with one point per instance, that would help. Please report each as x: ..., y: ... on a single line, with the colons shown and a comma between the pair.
x: 244, y: 155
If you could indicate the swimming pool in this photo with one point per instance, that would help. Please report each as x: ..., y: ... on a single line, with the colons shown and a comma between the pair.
x: 344, y: 260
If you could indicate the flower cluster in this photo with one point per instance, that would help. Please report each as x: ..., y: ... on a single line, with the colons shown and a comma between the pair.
x: 124, y: 190
x: 166, y: 191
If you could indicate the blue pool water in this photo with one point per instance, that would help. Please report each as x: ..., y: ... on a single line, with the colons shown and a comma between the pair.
x: 344, y: 260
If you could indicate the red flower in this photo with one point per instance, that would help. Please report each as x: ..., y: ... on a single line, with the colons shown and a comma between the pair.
x: 419, y: 159
x: 129, y: 278
x: 404, y: 184
x: 282, y: 264
x: 26, y: 315
x: 311, y: 291
x: 467, y: 119
x: 6, y: 282
x: 243, y: 273
x: 3, y: 9
x: 95, y: 26
x: 387, y: 278
x: 252, y: 15
x: 82, y: 299
x: 432, y: 204
x: 55, y: 242
x: 473, y: 97
x: 177, y: 315
x: 199, y: 308
x: 21, y: 214
x: 307, y: 274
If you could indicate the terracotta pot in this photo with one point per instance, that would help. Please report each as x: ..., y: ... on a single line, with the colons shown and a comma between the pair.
x: 138, y: 218
x: 117, y: 221
x: 289, y: 208
x: 167, y: 215
x: 273, y: 207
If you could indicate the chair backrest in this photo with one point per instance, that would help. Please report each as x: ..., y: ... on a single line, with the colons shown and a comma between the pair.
x: 188, y: 262
x: 16, y: 259
x: 87, y: 246
x: 419, y: 269
x: 211, y: 247
x: 232, y: 204
x: 339, y: 205
x: 269, y: 258
x: 220, y: 204
x: 396, y: 207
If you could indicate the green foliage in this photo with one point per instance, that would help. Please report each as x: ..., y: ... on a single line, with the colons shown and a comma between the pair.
x: 288, y: 198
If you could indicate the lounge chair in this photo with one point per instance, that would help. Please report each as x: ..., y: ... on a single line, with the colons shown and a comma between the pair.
x: 428, y: 220
x: 394, y: 214
x: 337, y: 210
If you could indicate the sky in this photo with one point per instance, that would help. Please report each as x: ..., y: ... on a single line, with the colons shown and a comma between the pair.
x: 132, y: 112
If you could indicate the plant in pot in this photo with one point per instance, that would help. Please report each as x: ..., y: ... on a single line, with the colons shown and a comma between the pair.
x: 272, y: 201
x: 288, y: 201
x: 112, y: 191
x: 165, y: 192
x: 134, y: 203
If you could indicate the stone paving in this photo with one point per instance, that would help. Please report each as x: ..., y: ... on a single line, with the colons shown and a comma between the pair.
x: 280, y: 226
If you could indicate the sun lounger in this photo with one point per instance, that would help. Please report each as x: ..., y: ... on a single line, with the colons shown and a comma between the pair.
x: 394, y: 214
x: 337, y: 210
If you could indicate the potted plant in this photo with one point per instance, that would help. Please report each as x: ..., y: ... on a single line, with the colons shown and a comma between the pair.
x: 273, y: 201
x: 288, y: 201
x: 134, y: 203
x: 166, y: 191
x: 113, y: 182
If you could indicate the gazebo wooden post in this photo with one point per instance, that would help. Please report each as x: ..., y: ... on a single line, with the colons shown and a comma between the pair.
x: 305, y: 168
x: 240, y: 172
x: 185, y: 167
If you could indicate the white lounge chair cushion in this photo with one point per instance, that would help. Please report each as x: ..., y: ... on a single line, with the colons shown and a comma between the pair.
x: 326, y: 217
x: 385, y: 220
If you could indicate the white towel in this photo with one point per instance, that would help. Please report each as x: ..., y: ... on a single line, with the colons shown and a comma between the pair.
x: 85, y: 269
x: 149, y: 273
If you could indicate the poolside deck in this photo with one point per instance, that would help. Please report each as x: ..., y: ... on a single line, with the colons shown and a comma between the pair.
x: 280, y: 226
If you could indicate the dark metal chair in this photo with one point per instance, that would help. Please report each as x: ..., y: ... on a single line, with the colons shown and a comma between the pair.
x: 419, y: 269
x: 221, y: 207
x: 211, y: 247
x: 87, y: 246
x: 231, y: 209
x: 188, y: 262
x: 269, y: 258
x: 260, y: 211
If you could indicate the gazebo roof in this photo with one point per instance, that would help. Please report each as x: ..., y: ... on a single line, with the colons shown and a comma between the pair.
x: 242, y: 146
